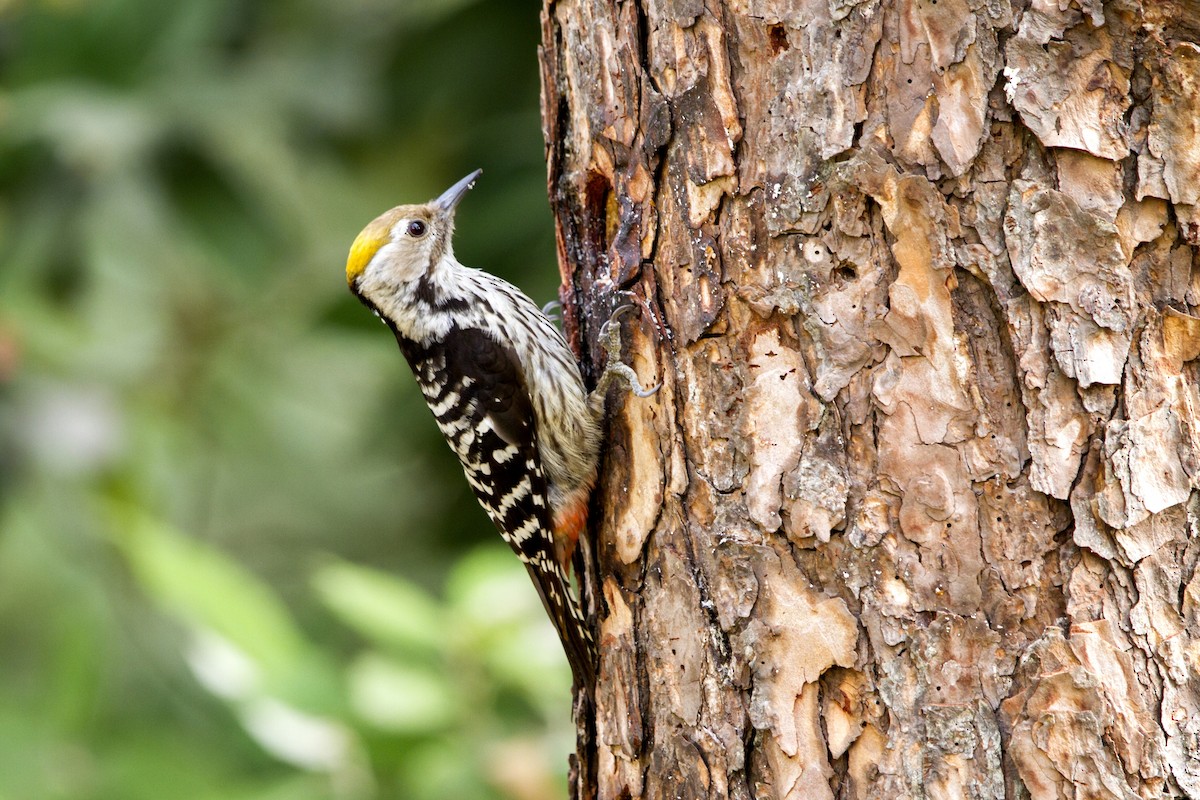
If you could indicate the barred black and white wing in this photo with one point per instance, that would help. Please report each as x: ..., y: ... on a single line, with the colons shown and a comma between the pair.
x: 476, y: 389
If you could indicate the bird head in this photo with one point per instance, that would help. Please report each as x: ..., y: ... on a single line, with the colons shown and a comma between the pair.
x: 405, y: 243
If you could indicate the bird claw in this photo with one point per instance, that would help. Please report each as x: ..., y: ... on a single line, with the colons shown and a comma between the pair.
x: 610, y: 331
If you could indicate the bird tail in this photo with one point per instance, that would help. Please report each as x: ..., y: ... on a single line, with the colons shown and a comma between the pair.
x: 569, y: 621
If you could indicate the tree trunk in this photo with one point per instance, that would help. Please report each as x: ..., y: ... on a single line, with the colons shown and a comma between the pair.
x: 915, y: 513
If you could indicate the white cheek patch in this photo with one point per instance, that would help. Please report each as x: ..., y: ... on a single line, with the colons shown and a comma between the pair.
x: 397, y: 262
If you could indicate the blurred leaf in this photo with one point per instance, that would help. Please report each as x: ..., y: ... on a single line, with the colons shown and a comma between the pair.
x: 442, y: 769
x: 401, y: 698
x: 490, y: 592
x: 299, y: 738
x: 390, y: 611
x: 490, y: 588
x: 207, y: 589
x: 532, y: 660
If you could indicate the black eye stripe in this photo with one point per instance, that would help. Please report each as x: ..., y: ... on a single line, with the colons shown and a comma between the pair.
x: 416, y: 228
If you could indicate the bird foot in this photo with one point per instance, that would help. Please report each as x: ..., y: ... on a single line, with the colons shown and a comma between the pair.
x: 614, y: 368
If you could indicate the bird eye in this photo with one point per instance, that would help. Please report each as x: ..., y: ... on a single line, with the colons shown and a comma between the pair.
x: 416, y: 228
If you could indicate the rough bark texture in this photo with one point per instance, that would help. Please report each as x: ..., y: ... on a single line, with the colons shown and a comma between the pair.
x: 915, y: 513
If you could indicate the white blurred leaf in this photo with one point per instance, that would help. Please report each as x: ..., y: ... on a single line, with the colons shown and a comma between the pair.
x: 399, y: 698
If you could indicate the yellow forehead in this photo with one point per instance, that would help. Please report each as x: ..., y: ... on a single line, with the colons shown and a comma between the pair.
x: 367, y: 244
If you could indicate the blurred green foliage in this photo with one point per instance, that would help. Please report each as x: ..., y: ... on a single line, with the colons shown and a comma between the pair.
x: 236, y: 559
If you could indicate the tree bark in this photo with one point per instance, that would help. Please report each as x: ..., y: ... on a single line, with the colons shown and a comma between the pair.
x: 915, y: 513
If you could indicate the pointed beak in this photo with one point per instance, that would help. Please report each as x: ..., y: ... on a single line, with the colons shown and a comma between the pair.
x: 451, y: 196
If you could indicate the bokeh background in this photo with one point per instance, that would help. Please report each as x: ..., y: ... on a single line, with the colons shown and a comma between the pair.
x: 236, y: 559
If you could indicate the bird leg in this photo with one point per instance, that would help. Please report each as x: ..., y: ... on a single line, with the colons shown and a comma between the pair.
x: 614, y: 369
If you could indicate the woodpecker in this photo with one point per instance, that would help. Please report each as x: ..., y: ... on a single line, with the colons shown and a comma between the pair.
x: 504, y: 388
